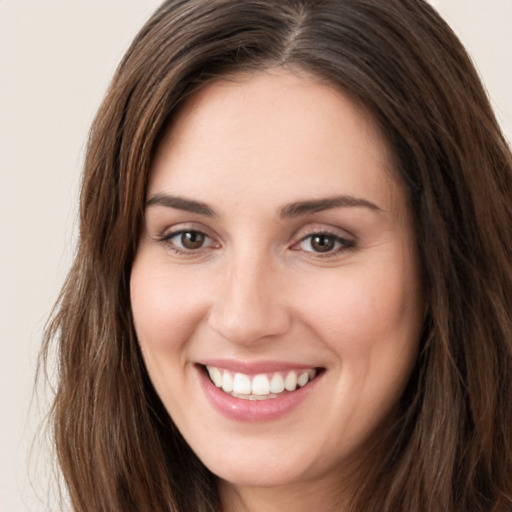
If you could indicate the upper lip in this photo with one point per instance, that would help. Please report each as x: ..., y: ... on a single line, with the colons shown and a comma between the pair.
x: 255, y: 367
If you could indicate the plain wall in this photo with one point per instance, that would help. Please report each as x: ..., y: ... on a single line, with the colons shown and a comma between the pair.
x: 56, y: 59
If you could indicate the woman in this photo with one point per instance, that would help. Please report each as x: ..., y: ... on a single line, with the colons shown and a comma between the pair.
x: 293, y: 281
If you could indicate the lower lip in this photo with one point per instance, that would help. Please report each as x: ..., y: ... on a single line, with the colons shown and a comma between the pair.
x: 255, y: 411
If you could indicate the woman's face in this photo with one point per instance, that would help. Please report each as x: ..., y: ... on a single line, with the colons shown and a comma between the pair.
x: 277, y: 254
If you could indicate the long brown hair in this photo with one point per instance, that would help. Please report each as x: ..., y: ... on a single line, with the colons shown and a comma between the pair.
x: 451, y: 447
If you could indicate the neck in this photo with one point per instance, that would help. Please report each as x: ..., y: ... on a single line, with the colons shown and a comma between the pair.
x: 299, y: 497
x: 332, y: 492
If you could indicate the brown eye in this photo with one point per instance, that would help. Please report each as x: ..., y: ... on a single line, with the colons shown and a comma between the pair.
x: 323, y: 243
x: 187, y: 241
x: 192, y: 239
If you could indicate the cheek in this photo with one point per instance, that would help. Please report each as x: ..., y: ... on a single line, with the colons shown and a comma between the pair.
x: 152, y: 309
x: 161, y: 317
x: 367, y: 304
x: 164, y: 320
x: 370, y: 316
x: 166, y: 306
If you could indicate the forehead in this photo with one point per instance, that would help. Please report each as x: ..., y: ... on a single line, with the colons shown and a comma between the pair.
x: 272, y: 129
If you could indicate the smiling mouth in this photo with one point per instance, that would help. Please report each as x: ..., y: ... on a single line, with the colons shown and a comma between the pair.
x: 262, y: 386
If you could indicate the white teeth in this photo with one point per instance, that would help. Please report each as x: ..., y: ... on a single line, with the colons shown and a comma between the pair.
x: 303, y: 379
x: 277, y: 383
x: 215, y: 375
x: 241, y: 384
x: 261, y: 386
x: 253, y: 397
x: 290, y: 383
x: 227, y: 382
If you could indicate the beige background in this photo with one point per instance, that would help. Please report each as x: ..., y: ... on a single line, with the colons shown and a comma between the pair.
x: 56, y: 58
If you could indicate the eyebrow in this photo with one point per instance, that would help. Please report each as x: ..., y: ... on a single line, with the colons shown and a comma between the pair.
x: 295, y: 209
x: 180, y: 203
x: 319, y: 205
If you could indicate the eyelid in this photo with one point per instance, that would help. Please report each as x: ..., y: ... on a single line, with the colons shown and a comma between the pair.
x: 347, y: 240
x: 326, y: 229
x: 169, y: 229
x: 166, y: 235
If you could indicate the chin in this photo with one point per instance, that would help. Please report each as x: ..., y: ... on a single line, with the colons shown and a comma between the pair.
x: 250, y: 473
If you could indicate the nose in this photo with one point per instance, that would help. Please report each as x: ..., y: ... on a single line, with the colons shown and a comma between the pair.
x: 250, y: 306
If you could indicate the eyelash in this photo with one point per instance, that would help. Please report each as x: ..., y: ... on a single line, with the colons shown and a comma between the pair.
x: 166, y: 239
x: 340, y: 243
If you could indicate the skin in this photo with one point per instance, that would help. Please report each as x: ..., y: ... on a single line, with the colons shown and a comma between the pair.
x: 258, y: 289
